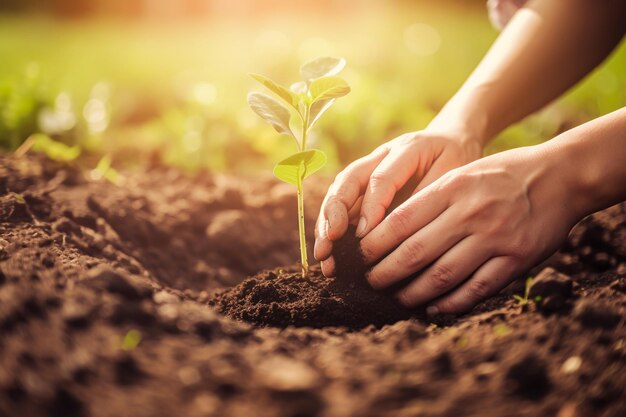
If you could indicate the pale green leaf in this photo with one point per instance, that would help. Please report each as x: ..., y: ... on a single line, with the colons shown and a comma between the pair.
x: 317, y: 109
x: 322, y: 67
x: 290, y: 98
x: 54, y: 150
x: 271, y: 111
x: 328, y: 87
x: 104, y: 170
x: 299, y: 88
x: 299, y: 166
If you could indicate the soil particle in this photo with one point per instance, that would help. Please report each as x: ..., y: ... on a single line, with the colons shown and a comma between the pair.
x: 590, y: 314
x: 282, y: 298
x: 102, y: 277
x: 551, y: 290
x: 528, y: 376
x: 283, y: 374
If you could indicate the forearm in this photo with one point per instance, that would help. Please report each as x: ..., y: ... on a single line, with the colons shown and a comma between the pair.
x: 546, y: 48
x: 589, y: 162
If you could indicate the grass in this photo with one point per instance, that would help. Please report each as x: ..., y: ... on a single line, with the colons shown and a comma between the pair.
x: 177, y: 90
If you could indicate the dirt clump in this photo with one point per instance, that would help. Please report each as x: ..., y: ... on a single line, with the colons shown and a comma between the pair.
x: 283, y: 297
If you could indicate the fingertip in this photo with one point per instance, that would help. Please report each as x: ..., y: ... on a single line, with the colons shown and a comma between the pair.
x: 336, y: 221
x: 432, y: 311
x: 361, y: 227
x: 322, y: 249
x: 328, y: 267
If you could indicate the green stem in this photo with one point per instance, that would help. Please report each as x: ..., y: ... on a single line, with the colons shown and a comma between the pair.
x: 304, y: 128
x: 301, y: 229
x: 303, y: 256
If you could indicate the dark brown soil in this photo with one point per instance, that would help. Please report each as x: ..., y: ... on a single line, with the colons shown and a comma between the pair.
x: 105, y: 297
x: 284, y: 298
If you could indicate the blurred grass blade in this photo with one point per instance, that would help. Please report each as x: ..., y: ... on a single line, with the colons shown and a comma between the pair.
x: 290, y: 98
x: 299, y: 166
x: 271, y: 111
x: 322, y: 67
x: 54, y: 150
x: 328, y: 87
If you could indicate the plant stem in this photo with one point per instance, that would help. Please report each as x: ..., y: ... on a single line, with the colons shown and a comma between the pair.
x: 301, y: 229
x: 303, y: 255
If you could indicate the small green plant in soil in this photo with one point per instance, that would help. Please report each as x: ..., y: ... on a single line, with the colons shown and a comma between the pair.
x: 523, y: 300
x: 307, y: 100
x: 131, y: 339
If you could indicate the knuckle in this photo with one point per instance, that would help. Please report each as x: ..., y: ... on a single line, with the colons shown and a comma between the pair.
x: 479, y: 289
x: 379, y: 179
x: 442, y: 277
x: 400, y: 220
x: 413, y: 253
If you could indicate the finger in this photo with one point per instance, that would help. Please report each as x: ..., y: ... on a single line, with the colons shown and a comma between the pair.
x: 328, y: 267
x: 450, y: 270
x: 353, y: 213
x: 417, y: 252
x: 438, y: 168
x: 388, y: 177
x: 404, y: 221
x: 349, y: 185
x: 347, y: 189
x: 489, y: 279
x: 323, y: 246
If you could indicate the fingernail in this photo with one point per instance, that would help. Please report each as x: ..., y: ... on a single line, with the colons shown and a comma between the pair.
x: 360, y: 229
x: 432, y: 311
x: 327, y: 228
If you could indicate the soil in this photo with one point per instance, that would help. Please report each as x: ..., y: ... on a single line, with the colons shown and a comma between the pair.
x: 120, y: 301
x: 284, y: 298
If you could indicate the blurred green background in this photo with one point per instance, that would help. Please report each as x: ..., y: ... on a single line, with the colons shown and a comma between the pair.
x: 157, y: 81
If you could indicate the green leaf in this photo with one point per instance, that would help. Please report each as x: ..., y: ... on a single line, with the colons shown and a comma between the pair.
x: 131, y: 340
x: 299, y: 166
x: 290, y: 98
x: 322, y: 67
x: 19, y: 198
x: 299, y: 88
x: 54, y: 150
x: 104, y: 170
x: 328, y: 87
x: 317, y: 109
x: 271, y: 111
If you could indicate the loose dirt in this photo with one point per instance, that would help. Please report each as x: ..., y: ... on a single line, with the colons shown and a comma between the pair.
x: 134, y: 300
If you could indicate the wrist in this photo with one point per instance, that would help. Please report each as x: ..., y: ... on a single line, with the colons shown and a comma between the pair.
x: 466, y: 120
x: 575, y: 179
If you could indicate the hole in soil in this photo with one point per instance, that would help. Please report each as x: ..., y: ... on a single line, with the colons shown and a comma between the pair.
x: 283, y: 297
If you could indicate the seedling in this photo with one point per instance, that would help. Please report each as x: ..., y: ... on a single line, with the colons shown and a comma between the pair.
x: 308, y: 100
x: 104, y: 170
x: 131, y: 339
x: 57, y: 151
x: 522, y: 301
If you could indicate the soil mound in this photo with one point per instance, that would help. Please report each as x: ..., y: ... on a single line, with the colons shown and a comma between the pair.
x: 282, y: 298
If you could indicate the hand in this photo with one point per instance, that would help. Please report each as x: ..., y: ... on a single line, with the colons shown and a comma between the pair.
x: 364, y: 190
x: 470, y: 233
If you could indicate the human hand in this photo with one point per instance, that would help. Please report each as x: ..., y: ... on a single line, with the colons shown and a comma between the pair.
x: 364, y: 190
x: 470, y: 233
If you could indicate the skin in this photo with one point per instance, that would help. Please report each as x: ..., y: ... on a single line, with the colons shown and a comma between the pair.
x: 472, y: 225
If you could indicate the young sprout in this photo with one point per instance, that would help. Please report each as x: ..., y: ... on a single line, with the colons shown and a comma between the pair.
x: 522, y: 301
x: 308, y: 100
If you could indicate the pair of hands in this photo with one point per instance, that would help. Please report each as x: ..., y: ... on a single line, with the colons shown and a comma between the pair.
x: 471, y: 226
